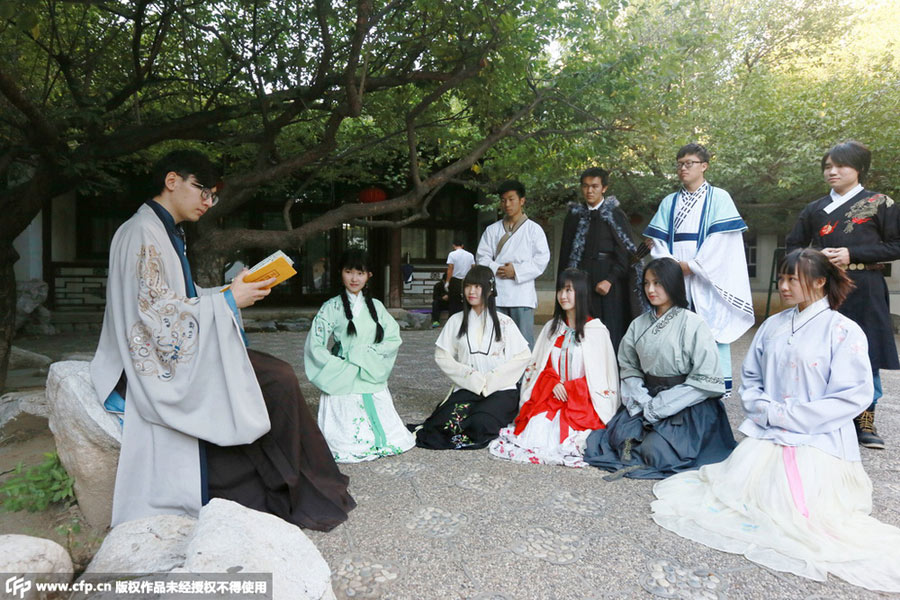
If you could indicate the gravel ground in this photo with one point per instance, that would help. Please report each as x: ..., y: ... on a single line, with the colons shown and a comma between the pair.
x: 463, y: 525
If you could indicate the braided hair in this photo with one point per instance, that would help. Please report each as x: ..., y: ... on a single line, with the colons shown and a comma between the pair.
x: 357, y: 259
x: 481, y: 275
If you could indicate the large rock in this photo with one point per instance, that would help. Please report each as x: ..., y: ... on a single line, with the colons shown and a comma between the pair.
x: 227, y: 538
x: 149, y: 545
x: 19, y: 358
x: 87, y: 438
x: 29, y: 296
x: 22, y: 415
x: 232, y: 538
x: 40, y: 322
x: 23, y: 555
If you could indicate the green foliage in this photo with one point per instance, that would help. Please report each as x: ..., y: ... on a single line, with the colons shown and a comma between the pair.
x: 38, y: 487
x: 766, y: 85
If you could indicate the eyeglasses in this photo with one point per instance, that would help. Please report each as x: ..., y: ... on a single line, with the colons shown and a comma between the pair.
x: 206, y: 193
x: 687, y: 164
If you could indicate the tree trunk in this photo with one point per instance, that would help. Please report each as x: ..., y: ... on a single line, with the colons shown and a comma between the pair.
x: 8, y: 258
x: 207, y: 268
x: 396, y: 284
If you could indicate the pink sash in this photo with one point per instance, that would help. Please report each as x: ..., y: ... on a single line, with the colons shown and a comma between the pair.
x: 789, y: 454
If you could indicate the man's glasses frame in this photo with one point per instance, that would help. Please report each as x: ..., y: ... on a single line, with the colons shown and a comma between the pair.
x: 206, y: 193
x: 687, y: 164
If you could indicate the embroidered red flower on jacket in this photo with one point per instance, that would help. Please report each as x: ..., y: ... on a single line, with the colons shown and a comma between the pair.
x: 534, y: 460
x: 860, y: 221
x: 827, y: 228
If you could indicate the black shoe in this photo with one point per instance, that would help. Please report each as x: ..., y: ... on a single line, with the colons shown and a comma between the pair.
x: 866, y: 432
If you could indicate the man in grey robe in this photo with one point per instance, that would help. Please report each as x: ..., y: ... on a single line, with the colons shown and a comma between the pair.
x: 196, y: 403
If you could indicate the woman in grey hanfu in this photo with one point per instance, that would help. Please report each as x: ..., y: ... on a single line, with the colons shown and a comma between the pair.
x: 672, y: 418
x: 794, y: 496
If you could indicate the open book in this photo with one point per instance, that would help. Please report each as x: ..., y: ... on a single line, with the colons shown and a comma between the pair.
x: 278, y: 265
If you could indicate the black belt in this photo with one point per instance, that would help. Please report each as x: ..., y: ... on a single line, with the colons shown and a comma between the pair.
x: 657, y: 384
x: 866, y: 267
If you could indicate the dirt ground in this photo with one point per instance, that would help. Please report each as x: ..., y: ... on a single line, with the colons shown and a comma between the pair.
x: 64, y: 525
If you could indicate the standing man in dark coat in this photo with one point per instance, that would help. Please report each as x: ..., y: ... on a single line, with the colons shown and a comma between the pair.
x: 597, y: 239
x: 858, y: 230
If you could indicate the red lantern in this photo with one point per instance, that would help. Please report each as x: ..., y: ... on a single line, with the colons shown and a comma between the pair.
x: 372, y: 194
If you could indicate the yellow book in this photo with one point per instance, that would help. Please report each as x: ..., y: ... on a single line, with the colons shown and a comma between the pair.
x: 278, y: 265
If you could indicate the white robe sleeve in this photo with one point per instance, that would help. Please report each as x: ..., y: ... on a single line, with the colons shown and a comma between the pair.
x: 659, y: 249
x: 847, y: 393
x: 753, y: 394
x: 720, y: 286
x: 536, y: 259
x: 464, y: 376
x: 601, y: 370
x: 484, y: 255
x: 507, y: 373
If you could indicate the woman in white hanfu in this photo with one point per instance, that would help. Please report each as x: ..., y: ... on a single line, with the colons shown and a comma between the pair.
x: 570, y: 387
x: 484, y: 354
x: 793, y: 496
x: 356, y: 410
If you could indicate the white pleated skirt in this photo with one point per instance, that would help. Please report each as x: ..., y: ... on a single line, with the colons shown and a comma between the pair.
x: 361, y: 427
x: 798, y: 510
x: 539, y: 443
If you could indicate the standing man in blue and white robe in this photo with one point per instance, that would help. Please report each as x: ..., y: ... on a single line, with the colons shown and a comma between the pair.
x: 699, y: 226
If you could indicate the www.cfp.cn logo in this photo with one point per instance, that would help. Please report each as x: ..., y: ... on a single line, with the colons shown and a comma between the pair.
x: 18, y: 586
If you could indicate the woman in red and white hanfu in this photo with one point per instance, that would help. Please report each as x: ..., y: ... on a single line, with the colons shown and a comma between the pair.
x: 569, y: 389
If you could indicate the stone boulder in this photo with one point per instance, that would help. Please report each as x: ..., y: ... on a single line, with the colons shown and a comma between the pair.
x: 149, y: 545
x: 232, y: 538
x: 226, y: 538
x: 21, y: 555
x: 19, y: 358
x: 419, y: 320
x: 87, y: 438
x: 22, y: 414
x: 40, y: 322
x: 29, y: 296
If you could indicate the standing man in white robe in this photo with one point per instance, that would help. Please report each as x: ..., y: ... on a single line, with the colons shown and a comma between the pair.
x: 195, y: 402
x: 515, y: 248
x: 700, y: 227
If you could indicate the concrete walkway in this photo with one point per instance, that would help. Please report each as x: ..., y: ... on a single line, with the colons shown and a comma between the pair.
x: 443, y: 525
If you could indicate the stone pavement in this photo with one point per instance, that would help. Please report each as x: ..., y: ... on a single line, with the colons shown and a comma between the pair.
x: 460, y: 524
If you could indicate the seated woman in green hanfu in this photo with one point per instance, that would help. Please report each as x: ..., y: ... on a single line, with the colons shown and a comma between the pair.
x: 672, y: 418
x: 484, y: 355
x: 356, y: 410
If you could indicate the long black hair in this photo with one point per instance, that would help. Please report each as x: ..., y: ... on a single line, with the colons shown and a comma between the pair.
x: 483, y: 276
x: 669, y: 274
x: 357, y: 259
x: 578, y: 280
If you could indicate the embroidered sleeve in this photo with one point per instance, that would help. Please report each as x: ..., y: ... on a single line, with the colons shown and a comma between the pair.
x: 167, y: 333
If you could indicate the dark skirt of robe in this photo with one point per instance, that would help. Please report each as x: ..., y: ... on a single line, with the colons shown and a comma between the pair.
x: 467, y: 421
x: 698, y: 435
x: 869, y: 306
x: 289, y: 472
